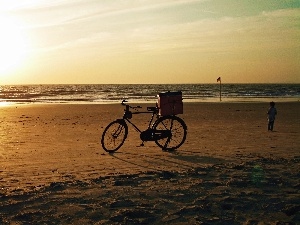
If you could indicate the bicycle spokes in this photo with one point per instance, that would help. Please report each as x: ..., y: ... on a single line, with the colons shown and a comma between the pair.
x: 114, y: 136
x: 118, y: 131
x: 175, y: 132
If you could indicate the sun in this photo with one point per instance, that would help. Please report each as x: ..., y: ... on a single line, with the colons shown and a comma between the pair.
x: 13, y: 46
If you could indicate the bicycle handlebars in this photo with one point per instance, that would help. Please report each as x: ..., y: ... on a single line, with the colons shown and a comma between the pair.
x: 129, y: 106
x: 149, y: 109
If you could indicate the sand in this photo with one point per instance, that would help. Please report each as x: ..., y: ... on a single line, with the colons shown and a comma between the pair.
x: 230, y: 170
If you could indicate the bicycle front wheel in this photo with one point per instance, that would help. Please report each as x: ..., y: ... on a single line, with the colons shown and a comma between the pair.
x: 114, y: 135
x: 177, y: 132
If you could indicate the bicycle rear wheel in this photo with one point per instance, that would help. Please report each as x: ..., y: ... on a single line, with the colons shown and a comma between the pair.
x: 114, y: 135
x: 178, y: 132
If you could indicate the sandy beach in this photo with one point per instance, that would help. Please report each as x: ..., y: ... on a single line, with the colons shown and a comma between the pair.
x: 230, y: 170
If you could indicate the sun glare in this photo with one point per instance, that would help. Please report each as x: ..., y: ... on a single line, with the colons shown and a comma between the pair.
x: 13, y: 47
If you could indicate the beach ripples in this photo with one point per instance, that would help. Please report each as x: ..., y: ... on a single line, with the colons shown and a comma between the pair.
x: 225, y: 193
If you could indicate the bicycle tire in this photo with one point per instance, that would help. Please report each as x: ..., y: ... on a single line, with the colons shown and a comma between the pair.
x: 178, y: 130
x: 114, y: 135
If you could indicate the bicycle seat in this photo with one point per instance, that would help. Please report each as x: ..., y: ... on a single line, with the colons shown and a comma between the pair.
x: 152, y: 109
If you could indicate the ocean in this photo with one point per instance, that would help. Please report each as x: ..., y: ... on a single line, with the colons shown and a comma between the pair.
x: 113, y: 93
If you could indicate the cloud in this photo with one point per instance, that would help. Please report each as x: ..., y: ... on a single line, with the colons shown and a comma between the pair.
x: 140, y: 27
x: 60, y: 18
x: 266, y: 31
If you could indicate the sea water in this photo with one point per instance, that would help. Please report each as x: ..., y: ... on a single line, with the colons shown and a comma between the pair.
x: 113, y: 93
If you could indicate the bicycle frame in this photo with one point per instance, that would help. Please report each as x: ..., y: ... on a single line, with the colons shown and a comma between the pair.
x: 128, y: 114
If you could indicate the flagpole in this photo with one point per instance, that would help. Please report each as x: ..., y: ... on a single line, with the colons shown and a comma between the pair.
x: 220, y: 90
x: 219, y: 79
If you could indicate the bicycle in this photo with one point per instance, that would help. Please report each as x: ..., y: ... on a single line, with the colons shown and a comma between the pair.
x: 168, y: 131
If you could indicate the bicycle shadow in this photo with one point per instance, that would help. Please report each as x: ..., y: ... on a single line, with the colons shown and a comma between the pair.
x: 192, y: 156
x: 167, y: 160
x: 140, y: 165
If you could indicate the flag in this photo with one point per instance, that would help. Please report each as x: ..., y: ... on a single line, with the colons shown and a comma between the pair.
x: 219, y: 79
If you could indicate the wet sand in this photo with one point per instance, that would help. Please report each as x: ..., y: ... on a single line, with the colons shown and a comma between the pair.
x: 230, y: 170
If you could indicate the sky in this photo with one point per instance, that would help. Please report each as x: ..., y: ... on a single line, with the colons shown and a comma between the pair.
x: 149, y: 41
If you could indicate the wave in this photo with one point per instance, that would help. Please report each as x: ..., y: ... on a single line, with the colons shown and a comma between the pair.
x: 144, y: 92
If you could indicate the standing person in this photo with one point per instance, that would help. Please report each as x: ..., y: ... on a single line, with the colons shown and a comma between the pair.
x: 272, y: 112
